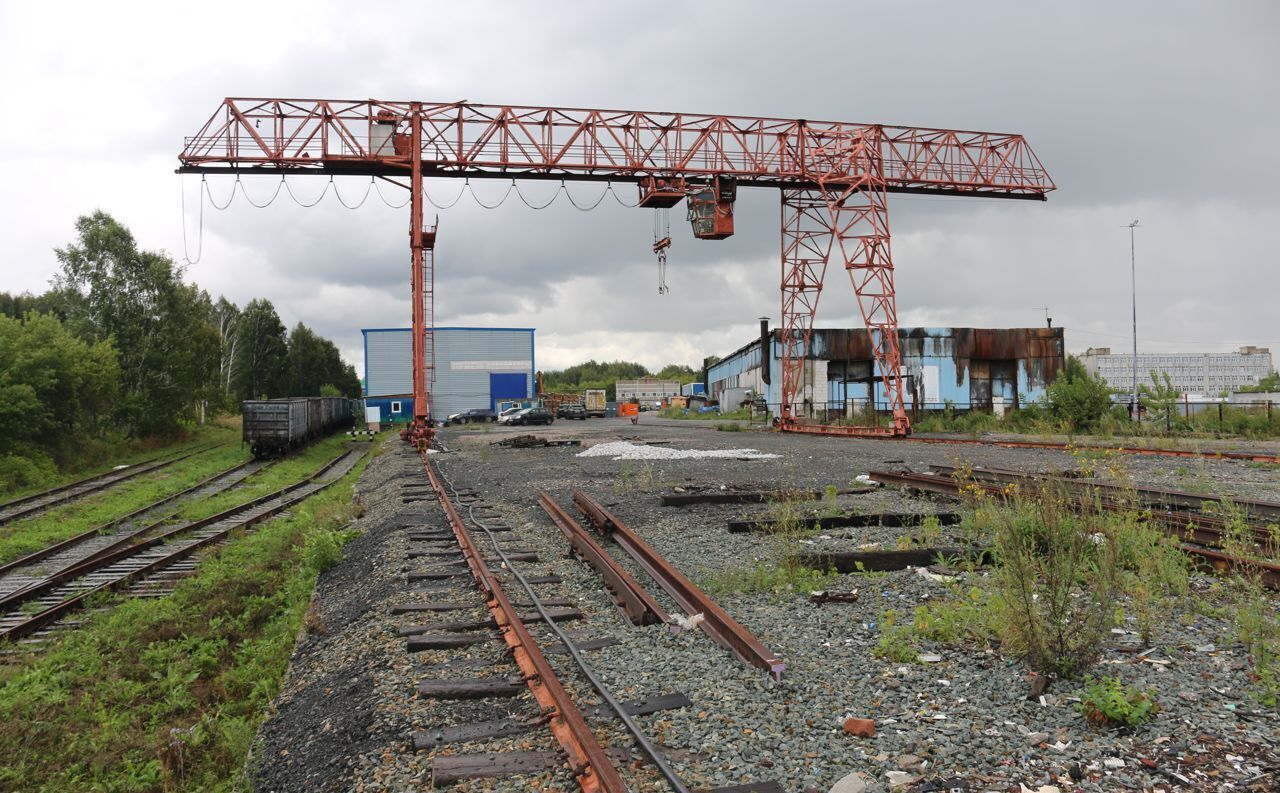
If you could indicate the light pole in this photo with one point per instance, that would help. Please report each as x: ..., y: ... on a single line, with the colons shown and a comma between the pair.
x: 1133, y: 276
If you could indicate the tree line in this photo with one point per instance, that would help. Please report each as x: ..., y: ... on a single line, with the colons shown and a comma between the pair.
x: 121, y: 347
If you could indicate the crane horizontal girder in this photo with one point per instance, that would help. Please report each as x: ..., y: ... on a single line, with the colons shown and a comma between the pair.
x: 370, y: 137
x: 833, y: 178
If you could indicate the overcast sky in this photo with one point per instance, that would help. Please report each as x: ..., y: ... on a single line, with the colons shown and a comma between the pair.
x: 1163, y: 111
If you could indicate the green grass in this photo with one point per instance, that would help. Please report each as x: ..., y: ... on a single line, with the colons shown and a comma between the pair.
x: 96, y: 456
x: 24, y: 536
x: 780, y: 579
x: 693, y: 415
x: 166, y: 694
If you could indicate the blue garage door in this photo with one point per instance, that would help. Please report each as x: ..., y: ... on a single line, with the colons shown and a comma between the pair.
x: 507, y: 386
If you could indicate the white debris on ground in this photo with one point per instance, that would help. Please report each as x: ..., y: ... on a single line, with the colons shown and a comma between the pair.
x: 622, y: 450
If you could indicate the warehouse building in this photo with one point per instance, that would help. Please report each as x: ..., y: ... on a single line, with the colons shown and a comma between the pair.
x: 474, y: 368
x: 1190, y: 372
x: 992, y: 369
x: 646, y: 389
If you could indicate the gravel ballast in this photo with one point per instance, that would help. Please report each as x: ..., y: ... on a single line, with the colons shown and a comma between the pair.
x: 347, y: 711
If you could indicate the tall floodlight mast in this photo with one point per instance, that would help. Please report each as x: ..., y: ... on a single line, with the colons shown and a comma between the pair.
x: 834, y: 179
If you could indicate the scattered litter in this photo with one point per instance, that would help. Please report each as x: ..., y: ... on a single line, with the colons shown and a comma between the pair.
x: 535, y: 441
x: 865, y: 479
x: 1206, y: 648
x: 822, y: 596
x: 621, y: 450
x: 924, y: 573
x: 687, y: 623
x: 930, y: 658
x: 1113, y: 762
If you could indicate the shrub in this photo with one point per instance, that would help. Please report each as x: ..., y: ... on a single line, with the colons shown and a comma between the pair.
x: 1057, y: 580
x: 1109, y: 703
x: 1078, y: 398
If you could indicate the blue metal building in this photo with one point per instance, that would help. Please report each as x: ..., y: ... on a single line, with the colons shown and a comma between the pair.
x: 474, y: 368
x: 969, y: 368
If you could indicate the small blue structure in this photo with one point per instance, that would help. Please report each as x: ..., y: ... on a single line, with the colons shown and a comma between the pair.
x: 991, y: 369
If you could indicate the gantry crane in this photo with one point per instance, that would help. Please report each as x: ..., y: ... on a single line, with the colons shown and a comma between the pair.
x: 834, y: 179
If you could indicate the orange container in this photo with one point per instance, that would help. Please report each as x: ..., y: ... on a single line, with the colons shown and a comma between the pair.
x: 628, y: 410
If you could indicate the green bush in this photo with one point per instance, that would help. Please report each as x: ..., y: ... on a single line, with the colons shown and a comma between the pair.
x: 1109, y: 703
x: 1058, y: 579
x: 1077, y: 398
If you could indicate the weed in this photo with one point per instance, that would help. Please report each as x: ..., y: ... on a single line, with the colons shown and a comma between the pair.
x: 1057, y: 580
x: 972, y: 617
x: 1154, y: 569
x: 639, y: 478
x: 781, y: 579
x: 894, y: 643
x: 728, y: 426
x: 830, y: 509
x: 926, y: 535
x: 1107, y: 702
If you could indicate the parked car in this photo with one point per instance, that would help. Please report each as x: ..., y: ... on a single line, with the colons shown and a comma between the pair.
x: 571, y: 410
x: 505, y: 416
x: 532, y: 416
x: 474, y: 415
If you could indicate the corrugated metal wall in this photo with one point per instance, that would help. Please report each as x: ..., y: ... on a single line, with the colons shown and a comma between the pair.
x: 940, y: 365
x: 465, y: 357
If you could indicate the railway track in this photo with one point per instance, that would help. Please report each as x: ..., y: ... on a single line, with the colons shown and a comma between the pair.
x: 148, y: 561
x: 1172, y: 511
x: 595, y: 767
x: 36, y: 503
x: 39, y: 564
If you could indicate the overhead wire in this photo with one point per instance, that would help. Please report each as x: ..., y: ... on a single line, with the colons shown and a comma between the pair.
x: 245, y: 193
x: 313, y: 203
x: 338, y: 194
x: 401, y: 205
x: 186, y: 249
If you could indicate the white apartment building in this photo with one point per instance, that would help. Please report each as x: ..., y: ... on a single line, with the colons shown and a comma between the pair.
x: 1190, y: 372
x: 648, y: 389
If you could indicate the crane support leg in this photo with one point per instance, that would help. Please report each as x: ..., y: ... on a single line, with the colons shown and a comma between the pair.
x: 806, y: 246
x: 847, y: 214
x: 421, y: 261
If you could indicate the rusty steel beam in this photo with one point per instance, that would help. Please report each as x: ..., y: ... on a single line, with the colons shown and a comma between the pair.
x: 716, y: 623
x: 1256, y: 457
x: 591, y: 766
x: 1201, y: 528
x: 1147, y: 496
x: 634, y: 601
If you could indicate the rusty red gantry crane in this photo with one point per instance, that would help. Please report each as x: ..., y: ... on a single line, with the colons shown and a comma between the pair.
x: 834, y: 179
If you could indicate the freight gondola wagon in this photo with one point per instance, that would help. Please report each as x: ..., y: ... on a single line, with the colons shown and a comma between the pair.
x: 275, y: 426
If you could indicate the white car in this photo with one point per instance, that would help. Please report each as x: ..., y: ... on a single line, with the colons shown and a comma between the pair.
x: 505, y: 416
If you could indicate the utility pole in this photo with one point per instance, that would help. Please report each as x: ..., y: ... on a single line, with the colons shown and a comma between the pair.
x: 1133, y: 276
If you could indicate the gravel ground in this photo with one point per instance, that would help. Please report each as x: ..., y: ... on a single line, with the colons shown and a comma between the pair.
x: 347, y: 710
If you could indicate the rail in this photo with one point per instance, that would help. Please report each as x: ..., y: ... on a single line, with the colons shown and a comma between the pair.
x: 722, y: 628
x: 285, y: 497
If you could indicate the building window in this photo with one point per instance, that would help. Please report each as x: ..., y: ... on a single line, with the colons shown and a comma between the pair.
x: 395, y: 407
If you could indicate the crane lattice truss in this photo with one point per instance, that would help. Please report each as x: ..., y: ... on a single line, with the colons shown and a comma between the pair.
x: 834, y: 179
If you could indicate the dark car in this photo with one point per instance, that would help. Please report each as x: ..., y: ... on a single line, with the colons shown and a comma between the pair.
x: 474, y: 415
x: 532, y: 416
x: 572, y: 410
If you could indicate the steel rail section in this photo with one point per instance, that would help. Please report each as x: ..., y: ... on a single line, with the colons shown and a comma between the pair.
x: 125, y: 547
x: 587, y: 758
x: 1176, y: 524
x: 1151, y: 496
x: 1198, y: 526
x: 1255, y: 457
x: 60, y: 609
x: 634, y: 601
x: 92, y: 484
x: 50, y: 550
x: 716, y: 623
